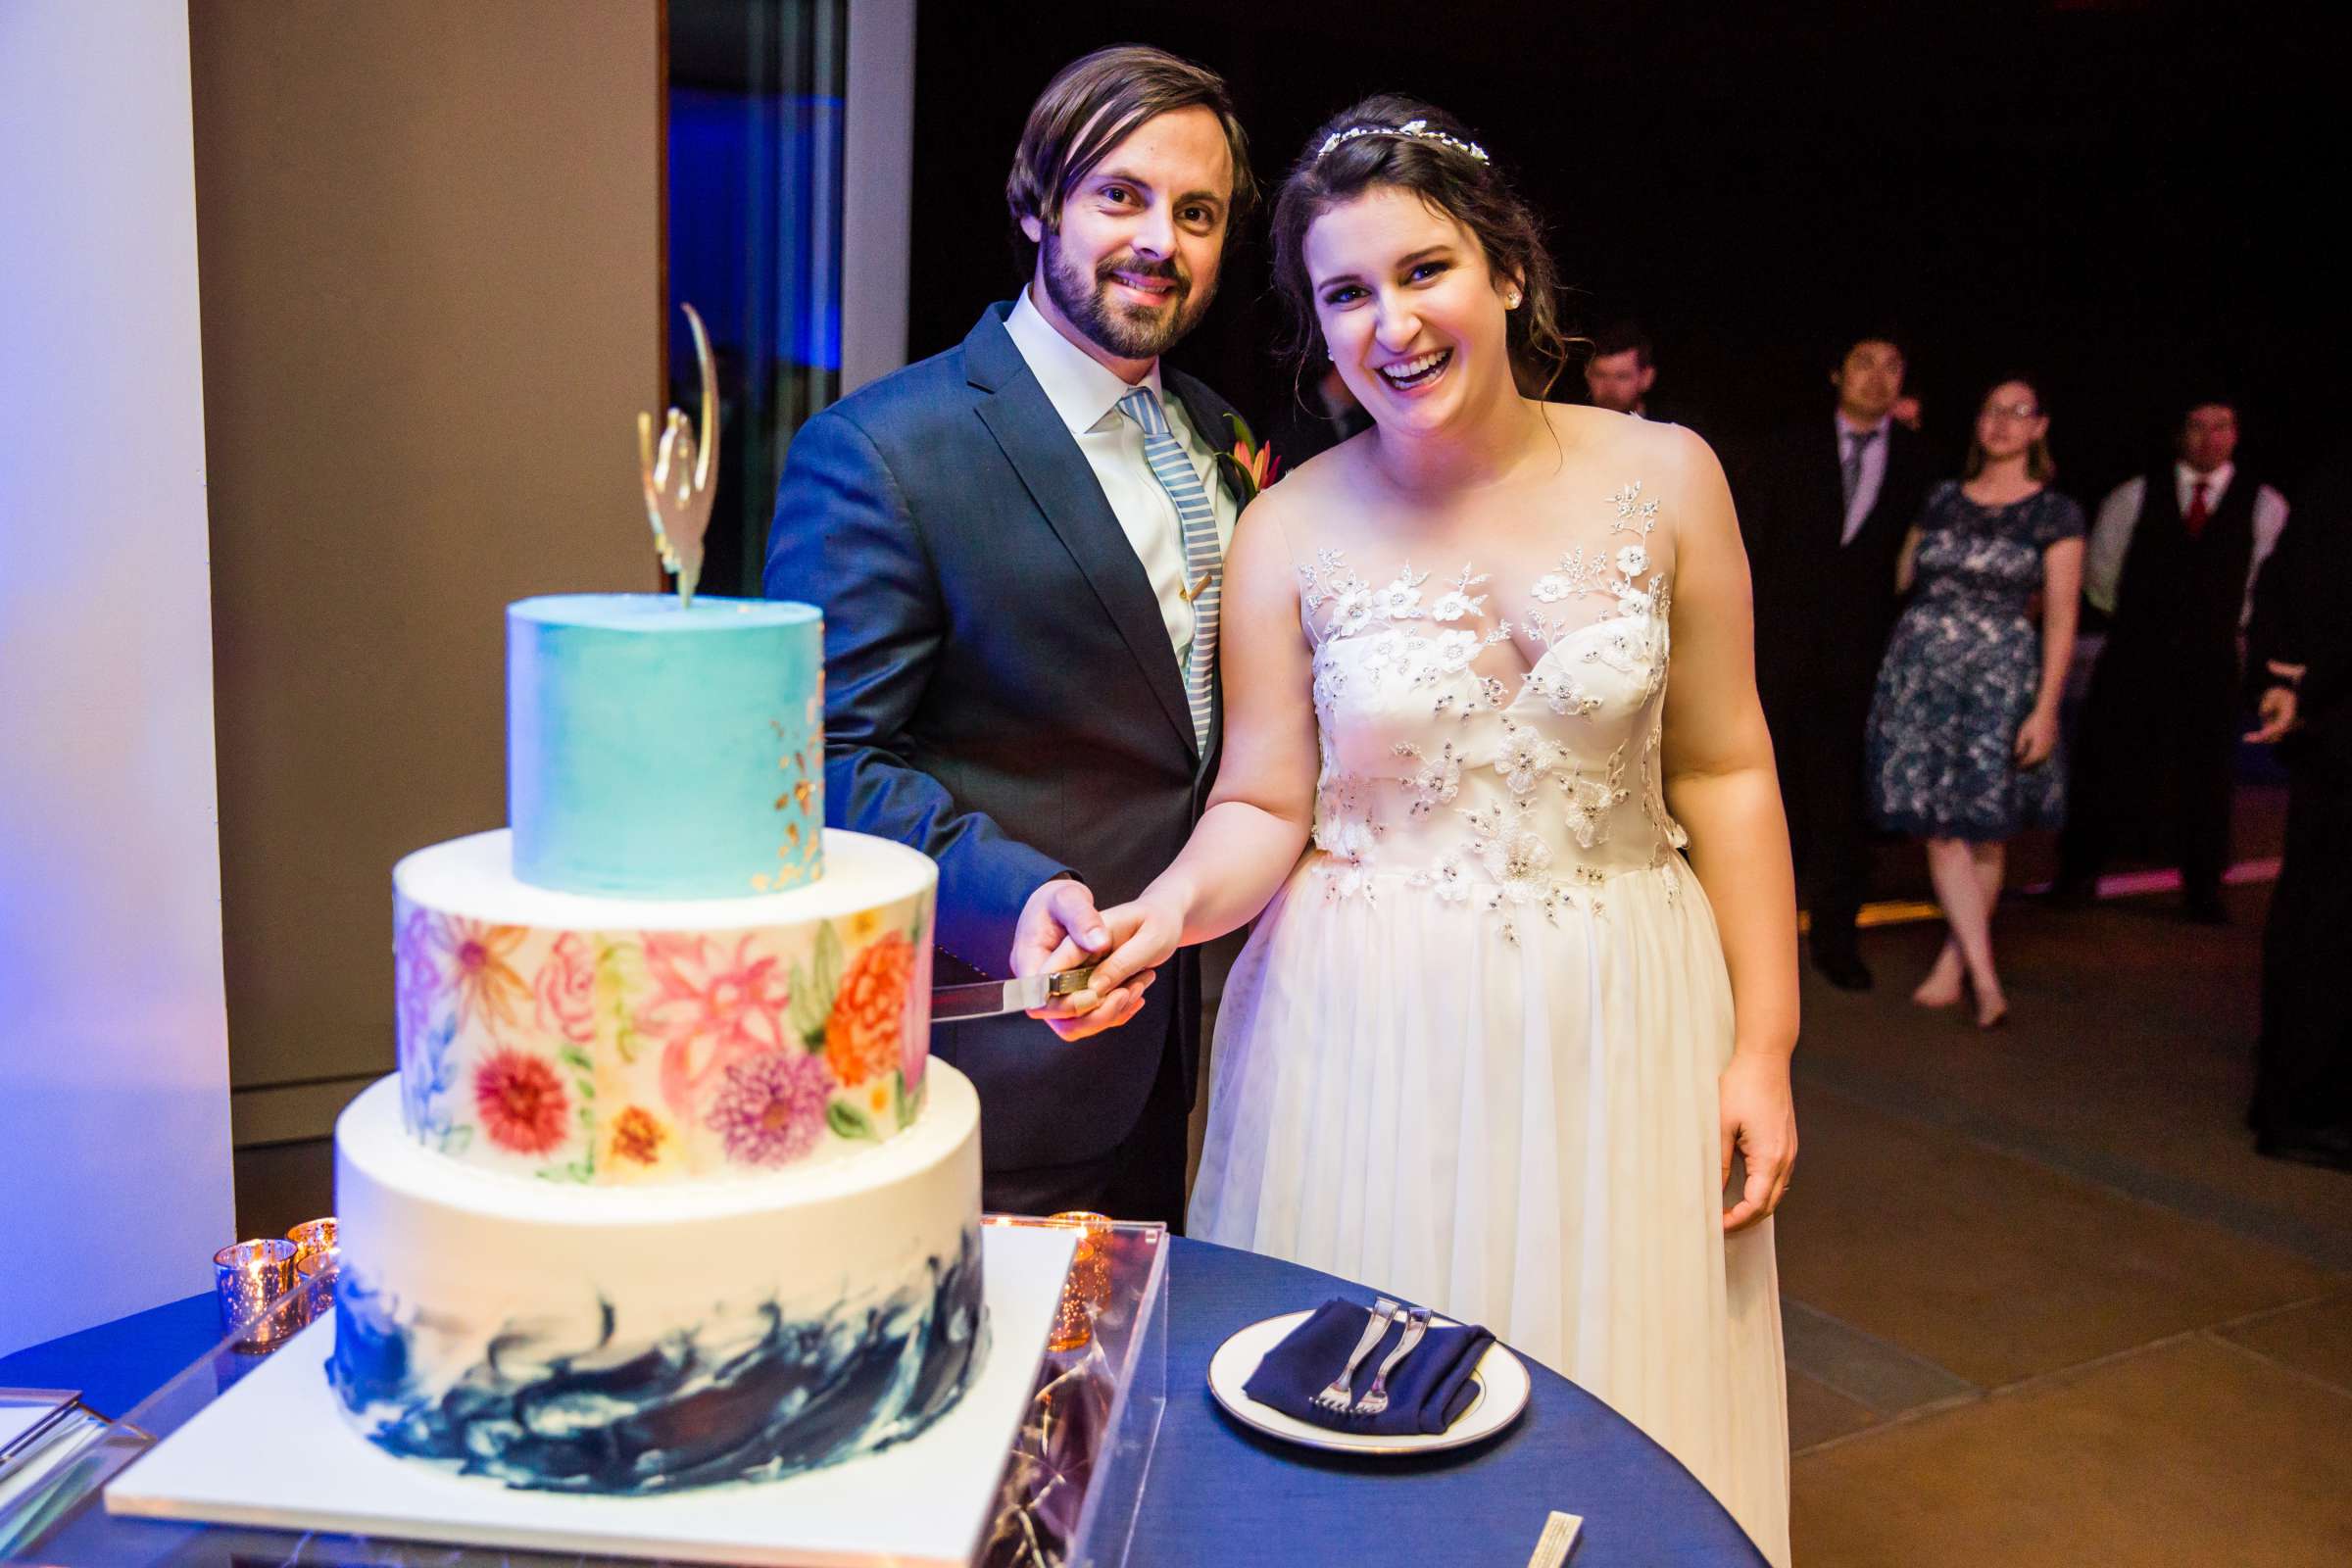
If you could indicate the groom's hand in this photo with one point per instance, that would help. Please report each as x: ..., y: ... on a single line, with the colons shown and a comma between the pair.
x: 1058, y: 927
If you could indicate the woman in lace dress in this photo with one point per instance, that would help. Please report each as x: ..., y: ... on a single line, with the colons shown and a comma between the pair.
x: 1495, y: 1044
x: 1963, y: 737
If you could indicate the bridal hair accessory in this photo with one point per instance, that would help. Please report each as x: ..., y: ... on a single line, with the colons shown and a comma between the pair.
x: 1417, y: 129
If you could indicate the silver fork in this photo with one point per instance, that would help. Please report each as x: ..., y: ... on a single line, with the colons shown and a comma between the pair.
x: 1341, y: 1392
x: 1375, y: 1397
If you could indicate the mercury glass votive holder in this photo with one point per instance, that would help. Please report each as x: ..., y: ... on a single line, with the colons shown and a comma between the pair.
x: 314, y: 1271
x: 254, y: 1282
x: 313, y: 1236
x: 1086, y: 1290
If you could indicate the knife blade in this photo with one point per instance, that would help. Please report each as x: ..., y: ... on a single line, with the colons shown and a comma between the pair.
x: 992, y: 997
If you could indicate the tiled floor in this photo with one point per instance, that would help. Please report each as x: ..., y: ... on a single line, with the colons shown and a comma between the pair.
x: 2044, y: 1305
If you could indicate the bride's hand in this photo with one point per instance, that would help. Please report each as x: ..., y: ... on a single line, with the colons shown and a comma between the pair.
x: 1146, y: 934
x: 1060, y: 929
x: 1759, y: 1119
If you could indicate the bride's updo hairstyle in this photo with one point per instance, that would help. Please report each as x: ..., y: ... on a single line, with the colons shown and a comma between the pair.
x: 1399, y: 142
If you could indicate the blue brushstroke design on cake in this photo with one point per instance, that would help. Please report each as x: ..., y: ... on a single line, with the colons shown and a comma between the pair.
x: 754, y: 1400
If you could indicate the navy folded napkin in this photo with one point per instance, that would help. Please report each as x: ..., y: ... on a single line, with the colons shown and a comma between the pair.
x: 1427, y: 1393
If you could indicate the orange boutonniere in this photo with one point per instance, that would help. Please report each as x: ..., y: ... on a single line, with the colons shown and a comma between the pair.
x: 1250, y: 466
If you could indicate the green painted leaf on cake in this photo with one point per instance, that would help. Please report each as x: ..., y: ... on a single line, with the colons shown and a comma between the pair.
x: 804, y: 1015
x: 829, y: 961
x: 620, y: 977
x: 847, y: 1121
x: 455, y: 1140
x: 909, y: 1105
x: 581, y: 1170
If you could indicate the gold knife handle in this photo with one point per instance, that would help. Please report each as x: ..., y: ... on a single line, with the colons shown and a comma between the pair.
x: 1069, y: 982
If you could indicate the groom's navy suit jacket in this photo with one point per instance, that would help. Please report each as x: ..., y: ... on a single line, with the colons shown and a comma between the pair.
x: 999, y: 693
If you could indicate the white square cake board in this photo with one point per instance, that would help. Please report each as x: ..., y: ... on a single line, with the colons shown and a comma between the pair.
x: 275, y: 1452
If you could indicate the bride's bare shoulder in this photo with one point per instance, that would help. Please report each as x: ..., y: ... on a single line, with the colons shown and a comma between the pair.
x: 1660, y: 454
x: 1302, y: 500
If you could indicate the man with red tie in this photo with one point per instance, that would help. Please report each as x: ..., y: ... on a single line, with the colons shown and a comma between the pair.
x: 2172, y: 563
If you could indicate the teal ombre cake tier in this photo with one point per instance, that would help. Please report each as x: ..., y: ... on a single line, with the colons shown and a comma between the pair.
x: 664, y: 753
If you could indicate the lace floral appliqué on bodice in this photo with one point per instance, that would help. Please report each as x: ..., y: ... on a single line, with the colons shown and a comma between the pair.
x: 1504, y: 764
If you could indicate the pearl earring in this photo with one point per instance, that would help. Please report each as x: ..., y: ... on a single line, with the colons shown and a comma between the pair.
x: 1512, y: 303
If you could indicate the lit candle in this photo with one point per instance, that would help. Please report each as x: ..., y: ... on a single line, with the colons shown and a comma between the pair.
x: 1086, y: 1289
x: 317, y: 1272
x: 313, y: 1236
x: 253, y: 1280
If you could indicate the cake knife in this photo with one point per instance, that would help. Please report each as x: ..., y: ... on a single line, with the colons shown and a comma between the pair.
x: 992, y: 997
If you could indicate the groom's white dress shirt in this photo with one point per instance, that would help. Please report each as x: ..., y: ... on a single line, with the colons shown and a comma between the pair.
x: 1086, y: 393
x: 2119, y: 518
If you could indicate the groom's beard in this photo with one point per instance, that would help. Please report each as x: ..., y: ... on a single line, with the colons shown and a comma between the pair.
x: 1131, y: 333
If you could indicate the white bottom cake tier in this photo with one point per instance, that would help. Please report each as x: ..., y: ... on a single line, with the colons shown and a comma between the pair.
x: 647, y: 1338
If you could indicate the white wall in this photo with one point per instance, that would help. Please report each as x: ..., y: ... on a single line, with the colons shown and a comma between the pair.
x: 115, y: 1181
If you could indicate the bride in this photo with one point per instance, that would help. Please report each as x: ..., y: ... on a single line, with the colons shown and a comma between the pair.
x: 1496, y: 1044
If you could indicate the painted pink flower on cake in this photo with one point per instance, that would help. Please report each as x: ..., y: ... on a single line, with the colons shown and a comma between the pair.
x: 487, y: 986
x: 416, y: 977
x: 564, y: 990
x: 867, y: 1025
x: 521, y: 1101
x: 709, y: 1010
x: 771, y: 1108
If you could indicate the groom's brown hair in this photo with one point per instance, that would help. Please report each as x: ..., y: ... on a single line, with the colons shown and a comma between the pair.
x: 1092, y: 106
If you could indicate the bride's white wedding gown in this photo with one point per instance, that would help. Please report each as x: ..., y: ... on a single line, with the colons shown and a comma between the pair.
x: 1470, y: 1053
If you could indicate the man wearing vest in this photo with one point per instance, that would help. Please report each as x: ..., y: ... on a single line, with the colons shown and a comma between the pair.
x: 2172, y: 563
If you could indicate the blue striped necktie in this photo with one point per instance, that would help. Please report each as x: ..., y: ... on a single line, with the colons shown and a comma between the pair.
x: 1203, y: 563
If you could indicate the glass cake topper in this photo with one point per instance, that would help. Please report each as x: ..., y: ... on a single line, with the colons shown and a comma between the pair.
x: 681, y: 473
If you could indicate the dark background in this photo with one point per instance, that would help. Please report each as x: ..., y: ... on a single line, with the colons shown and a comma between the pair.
x: 2127, y: 199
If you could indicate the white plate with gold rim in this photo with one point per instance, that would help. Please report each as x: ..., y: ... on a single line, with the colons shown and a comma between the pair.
x: 1501, y: 1379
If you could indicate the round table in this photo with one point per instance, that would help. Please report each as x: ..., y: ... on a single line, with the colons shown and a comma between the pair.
x: 1217, y: 1492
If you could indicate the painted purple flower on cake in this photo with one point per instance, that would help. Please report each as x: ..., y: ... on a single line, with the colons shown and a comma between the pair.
x: 771, y: 1108
x: 565, y: 990
x: 416, y: 977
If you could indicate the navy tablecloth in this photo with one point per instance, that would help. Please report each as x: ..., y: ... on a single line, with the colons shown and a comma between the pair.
x: 1217, y: 1492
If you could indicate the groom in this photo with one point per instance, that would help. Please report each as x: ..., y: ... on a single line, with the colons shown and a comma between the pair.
x: 1019, y: 548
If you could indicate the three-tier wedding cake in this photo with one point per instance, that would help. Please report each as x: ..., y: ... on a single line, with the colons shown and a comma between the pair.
x: 667, y: 1191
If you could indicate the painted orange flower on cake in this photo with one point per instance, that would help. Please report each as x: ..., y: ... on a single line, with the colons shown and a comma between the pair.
x: 914, y: 1037
x: 862, y: 1034
x: 521, y: 1101
x: 564, y: 990
x: 709, y: 1010
x: 486, y: 985
x: 638, y: 1135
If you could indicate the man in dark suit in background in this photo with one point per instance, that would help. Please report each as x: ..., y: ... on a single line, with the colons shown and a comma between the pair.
x: 2172, y: 561
x: 1019, y: 548
x: 1622, y: 374
x: 2299, y: 662
x: 1825, y: 508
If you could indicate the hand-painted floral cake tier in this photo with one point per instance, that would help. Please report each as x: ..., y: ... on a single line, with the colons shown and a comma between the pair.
x: 600, y: 1040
